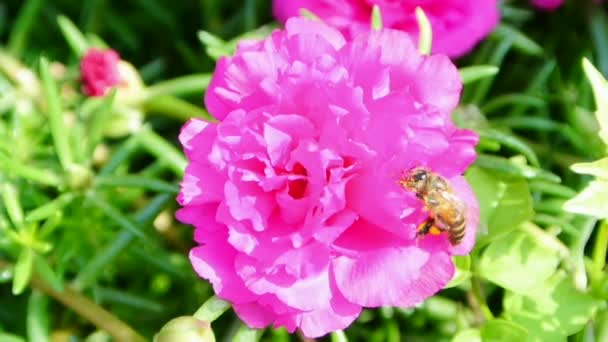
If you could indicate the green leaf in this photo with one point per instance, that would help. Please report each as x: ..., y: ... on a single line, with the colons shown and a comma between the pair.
x: 73, y: 36
x: 376, y: 18
x: 10, y: 200
x: 6, y: 337
x: 56, y: 119
x: 46, y: 273
x: 50, y: 208
x: 517, y: 262
x: 598, y: 168
x: 504, y: 202
x: 338, y: 336
x: 473, y: 73
x: 499, y: 330
x: 425, y: 43
x: 521, y: 42
x: 592, y: 201
x: 551, y: 311
x: 600, y: 91
x: 468, y: 335
x: 23, y: 270
x: 309, y: 15
x: 37, y: 317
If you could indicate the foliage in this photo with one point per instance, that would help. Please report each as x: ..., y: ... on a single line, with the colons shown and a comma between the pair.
x: 88, y: 244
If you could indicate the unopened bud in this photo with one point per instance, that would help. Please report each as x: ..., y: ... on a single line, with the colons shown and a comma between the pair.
x: 185, y: 329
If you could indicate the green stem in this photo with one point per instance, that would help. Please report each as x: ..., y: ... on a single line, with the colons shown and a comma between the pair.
x: 211, y: 309
x: 185, y: 85
x: 87, y: 309
x: 599, y: 254
x: 175, y: 108
x: 481, y: 299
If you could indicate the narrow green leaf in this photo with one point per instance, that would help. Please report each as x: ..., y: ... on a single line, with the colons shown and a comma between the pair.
x: 50, y: 208
x: 600, y: 92
x: 76, y: 40
x: 509, y: 168
x: 46, y: 273
x: 99, y: 120
x: 473, y: 73
x: 122, y: 153
x: 57, y: 123
x: 211, y: 309
x: 113, y: 213
x: 37, y: 320
x: 512, y: 142
x: 425, y: 42
x: 376, y: 18
x: 10, y: 198
x: 23, y: 270
x: 92, y: 269
x: 521, y: 42
x: 26, y: 20
x: 137, y: 182
x: 163, y: 151
x: 34, y: 174
x: 338, y: 336
x: 309, y: 15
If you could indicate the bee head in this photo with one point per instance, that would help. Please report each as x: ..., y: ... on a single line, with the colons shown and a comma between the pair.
x: 415, y: 179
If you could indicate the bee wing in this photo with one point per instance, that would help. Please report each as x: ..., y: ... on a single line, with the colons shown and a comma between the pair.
x: 455, y: 200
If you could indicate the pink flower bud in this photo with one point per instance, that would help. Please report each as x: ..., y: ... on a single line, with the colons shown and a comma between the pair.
x: 99, y: 71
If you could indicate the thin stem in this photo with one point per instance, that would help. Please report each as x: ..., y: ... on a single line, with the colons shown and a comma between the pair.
x: 175, y: 108
x: 179, y: 86
x: 87, y: 309
x: 480, y: 298
x: 211, y: 309
x: 599, y: 254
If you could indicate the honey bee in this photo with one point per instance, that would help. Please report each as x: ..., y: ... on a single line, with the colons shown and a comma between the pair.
x: 446, y: 210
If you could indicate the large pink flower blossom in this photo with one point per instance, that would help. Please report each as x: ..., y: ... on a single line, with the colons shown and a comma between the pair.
x: 99, y: 71
x: 294, y: 195
x: 458, y: 25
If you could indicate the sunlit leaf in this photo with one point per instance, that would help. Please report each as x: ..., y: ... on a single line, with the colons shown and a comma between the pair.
x: 500, y: 330
x: 552, y: 310
x: 504, y: 202
x: 592, y: 201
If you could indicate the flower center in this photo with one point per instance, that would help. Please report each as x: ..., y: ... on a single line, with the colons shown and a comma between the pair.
x: 297, y: 187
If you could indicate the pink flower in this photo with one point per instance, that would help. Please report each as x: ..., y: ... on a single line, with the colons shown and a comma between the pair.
x: 548, y: 4
x: 99, y: 70
x: 294, y: 195
x: 458, y: 25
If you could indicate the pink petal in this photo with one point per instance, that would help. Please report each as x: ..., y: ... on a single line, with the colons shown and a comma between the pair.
x: 400, y: 277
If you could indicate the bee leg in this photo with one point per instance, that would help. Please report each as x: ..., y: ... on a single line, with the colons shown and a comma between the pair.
x: 425, y: 227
